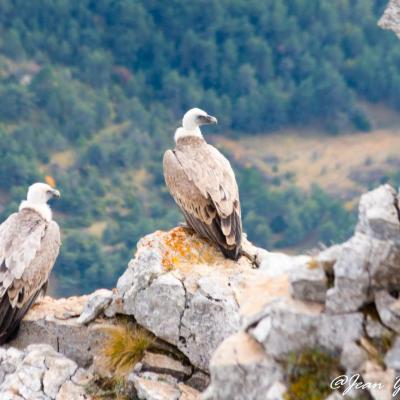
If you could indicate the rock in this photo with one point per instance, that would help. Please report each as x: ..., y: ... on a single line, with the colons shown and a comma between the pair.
x: 388, y: 308
x: 352, y: 281
x: 153, y: 390
x: 59, y: 370
x: 54, y: 322
x: 309, y: 283
x: 370, y: 260
x: 188, y: 393
x: 352, y: 357
x: 377, y: 214
x: 199, y: 380
x: 276, y: 391
x: 336, y: 330
x: 163, y: 364
x: 381, y: 380
x: 327, y: 257
x: 276, y: 264
x: 390, y: 19
x: 392, y: 357
x: 336, y: 395
x: 95, y: 305
x: 374, y: 329
x: 365, y: 266
x: 40, y: 373
x: 70, y: 391
x: 241, y: 370
x: 290, y: 325
x: 287, y: 326
x: 183, y: 290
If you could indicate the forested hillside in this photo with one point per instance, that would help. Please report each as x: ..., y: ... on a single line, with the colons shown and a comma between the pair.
x: 91, y: 92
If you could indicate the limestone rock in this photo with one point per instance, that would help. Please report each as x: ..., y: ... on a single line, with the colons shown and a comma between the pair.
x: 276, y: 391
x: 154, y: 387
x: 240, y: 369
x: 309, y: 283
x: 55, y: 322
x: 391, y: 17
x: 392, y: 358
x: 353, y: 357
x: 95, y: 305
x: 374, y: 329
x: 388, y: 309
x: 275, y: 264
x: 374, y: 373
x: 378, y: 216
x: 366, y: 265
x: 186, y: 292
x: 40, y: 373
x: 328, y: 257
x: 163, y: 364
x: 290, y: 325
x: 352, y: 282
x: 149, y: 390
x: 199, y: 380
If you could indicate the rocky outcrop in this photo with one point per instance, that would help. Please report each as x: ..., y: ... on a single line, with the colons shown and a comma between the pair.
x: 230, y: 321
x: 391, y: 17
x: 305, y: 314
x: 184, y: 291
x: 40, y: 373
x: 56, y: 323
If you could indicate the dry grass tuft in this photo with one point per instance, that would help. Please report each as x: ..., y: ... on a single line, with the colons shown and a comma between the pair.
x: 125, y: 346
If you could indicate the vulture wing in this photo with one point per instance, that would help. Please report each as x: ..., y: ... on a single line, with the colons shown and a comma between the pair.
x: 29, y: 246
x: 203, y: 184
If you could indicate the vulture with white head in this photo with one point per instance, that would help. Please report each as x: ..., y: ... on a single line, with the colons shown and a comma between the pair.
x: 29, y: 245
x: 203, y: 184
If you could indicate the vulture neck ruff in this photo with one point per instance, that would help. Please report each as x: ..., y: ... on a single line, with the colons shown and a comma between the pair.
x: 42, y: 209
x: 189, y: 141
x: 181, y: 133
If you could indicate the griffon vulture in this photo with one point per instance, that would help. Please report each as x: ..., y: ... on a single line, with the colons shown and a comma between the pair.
x: 203, y: 184
x: 29, y: 245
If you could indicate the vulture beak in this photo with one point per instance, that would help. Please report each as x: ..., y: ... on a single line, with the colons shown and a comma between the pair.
x: 56, y: 194
x: 207, y: 120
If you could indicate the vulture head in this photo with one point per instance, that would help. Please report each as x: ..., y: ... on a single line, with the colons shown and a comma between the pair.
x: 191, y: 123
x: 196, y: 117
x: 41, y: 193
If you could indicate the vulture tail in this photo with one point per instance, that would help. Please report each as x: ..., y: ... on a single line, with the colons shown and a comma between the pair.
x: 214, y: 233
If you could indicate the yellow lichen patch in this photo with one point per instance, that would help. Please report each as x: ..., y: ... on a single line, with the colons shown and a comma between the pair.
x: 182, y: 246
x: 313, y: 264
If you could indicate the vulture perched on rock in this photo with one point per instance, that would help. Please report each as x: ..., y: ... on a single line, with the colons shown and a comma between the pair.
x: 203, y: 184
x: 29, y: 246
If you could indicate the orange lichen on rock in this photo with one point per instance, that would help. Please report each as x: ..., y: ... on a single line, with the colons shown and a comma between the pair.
x: 182, y: 246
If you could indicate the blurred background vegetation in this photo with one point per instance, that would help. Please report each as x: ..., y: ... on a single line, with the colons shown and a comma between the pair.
x: 91, y: 92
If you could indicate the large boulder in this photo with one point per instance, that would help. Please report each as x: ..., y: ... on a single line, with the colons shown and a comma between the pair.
x: 370, y: 260
x: 241, y: 369
x: 55, y: 323
x: 181, y: 288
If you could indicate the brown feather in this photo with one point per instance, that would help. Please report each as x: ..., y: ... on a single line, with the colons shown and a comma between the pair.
x: 203, y: 184
x: 29, y: 246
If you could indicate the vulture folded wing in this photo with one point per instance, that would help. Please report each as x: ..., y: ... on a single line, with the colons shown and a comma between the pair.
x: 204, y: 186
x: 28, y: 249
